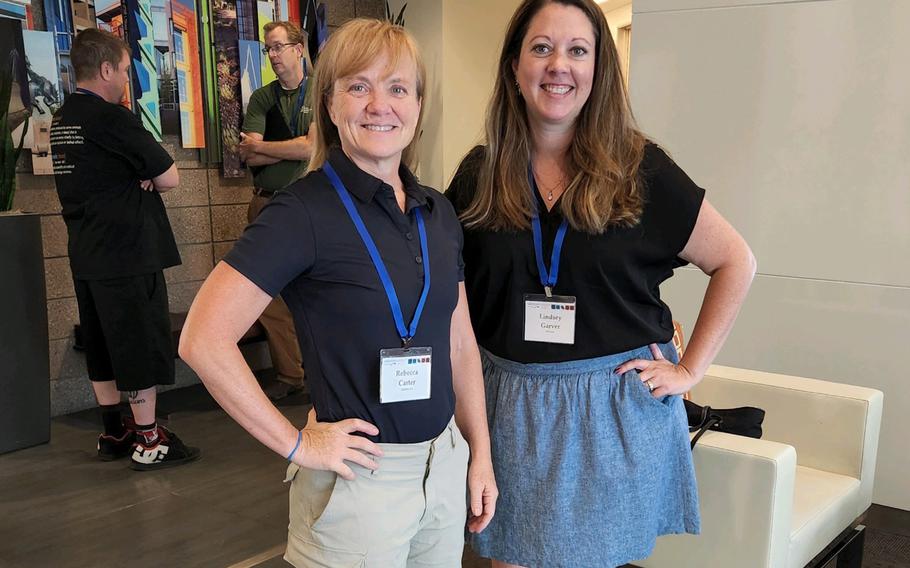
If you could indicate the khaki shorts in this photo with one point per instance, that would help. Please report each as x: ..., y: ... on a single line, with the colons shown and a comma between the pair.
x: 410, y: 512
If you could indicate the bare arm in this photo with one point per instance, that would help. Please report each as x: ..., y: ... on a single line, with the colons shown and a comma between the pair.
x: 255, y: 159
x: 168, y: 180
x: 227, y: 305
x: 471, y: 414
x: 299, y: 148
x: 720, y: 252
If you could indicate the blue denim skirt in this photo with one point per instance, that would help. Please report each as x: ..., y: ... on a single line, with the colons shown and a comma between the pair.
x: 591, y: 468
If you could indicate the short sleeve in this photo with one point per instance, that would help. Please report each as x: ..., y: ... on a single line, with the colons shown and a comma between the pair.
x: 672, y: 201
x: 122, y: 134
x: 452, y: 225
x: 278, y: 246
x: 256, y: 110
x: 464, y: 183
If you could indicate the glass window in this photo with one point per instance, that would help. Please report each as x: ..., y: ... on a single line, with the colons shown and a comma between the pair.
x: 178, y: 45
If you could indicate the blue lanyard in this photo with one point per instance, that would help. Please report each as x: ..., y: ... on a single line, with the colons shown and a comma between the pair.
x: 406, y: 333
x: 295, y: 112
x: 547, y: 277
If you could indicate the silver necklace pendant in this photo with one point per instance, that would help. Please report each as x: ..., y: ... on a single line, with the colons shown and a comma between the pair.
x: 550, y: 195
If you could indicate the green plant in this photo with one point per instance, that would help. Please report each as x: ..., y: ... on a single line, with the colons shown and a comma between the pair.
x: 390, y: 16
x: 9, y: 152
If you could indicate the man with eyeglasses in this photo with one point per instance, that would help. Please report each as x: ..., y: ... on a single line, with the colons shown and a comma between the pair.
x: 275, y: 144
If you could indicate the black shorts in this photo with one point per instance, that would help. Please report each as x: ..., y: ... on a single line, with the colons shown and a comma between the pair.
x: 127, y: 330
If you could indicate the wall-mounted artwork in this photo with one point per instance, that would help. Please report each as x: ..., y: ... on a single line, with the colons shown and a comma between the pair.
x: 15, y: 9
x: 250, y: 69
x: 59, y: 21
x: 46, y: 95
x: 247, y: 20
x: 83, y: 14
x: 168, y: 97
x: 266, y: 14
x: 13, y: 48
x: 109, y: 16
x: 188, y: 73
x: 227, y: 66
x: 144, y: 83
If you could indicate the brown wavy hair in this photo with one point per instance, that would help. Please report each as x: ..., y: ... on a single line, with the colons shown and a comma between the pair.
x: 352, y: 48
x: 604, y: 156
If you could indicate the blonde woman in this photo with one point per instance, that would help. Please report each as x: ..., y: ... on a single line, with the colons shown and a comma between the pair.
x: 369, y: 263
x: 572, y: 220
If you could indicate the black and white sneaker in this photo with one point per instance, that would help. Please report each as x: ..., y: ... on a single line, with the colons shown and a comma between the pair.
x: 167, y: 451
x: 111, y: 448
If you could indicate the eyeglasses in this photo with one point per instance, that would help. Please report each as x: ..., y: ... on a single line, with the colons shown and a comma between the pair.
x: 276, y: 49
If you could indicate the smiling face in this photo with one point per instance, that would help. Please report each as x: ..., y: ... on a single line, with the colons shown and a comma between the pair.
x: 376, y: 111
x: 555, y: 68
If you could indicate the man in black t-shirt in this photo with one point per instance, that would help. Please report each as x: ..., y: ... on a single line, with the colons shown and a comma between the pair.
x: 109, y: 173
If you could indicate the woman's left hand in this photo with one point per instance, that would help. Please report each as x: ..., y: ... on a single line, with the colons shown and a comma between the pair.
x: 660, y: 376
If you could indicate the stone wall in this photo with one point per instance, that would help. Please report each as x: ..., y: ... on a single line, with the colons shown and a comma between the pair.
x: 207, y: 213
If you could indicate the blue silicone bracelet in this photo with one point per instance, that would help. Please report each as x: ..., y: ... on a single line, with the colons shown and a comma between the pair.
x: 297, y: 445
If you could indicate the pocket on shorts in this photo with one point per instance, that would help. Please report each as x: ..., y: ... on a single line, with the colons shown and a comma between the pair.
x: 303, y: 552
x: 313, y: 497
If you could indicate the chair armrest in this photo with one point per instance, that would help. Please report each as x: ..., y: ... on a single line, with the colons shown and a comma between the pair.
x: 745, y: 491
x: 834, y: 427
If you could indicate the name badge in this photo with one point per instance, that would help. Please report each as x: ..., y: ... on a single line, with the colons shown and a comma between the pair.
x: 404, y: 374
x: 550, y: 319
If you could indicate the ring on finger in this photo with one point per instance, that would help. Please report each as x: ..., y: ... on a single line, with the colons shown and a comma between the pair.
x: 650, y: 386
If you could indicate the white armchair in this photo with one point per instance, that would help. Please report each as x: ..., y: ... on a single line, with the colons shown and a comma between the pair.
x: 780, y: 501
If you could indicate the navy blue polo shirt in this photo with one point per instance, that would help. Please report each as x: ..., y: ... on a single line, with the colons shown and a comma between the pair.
x: 304, y: 246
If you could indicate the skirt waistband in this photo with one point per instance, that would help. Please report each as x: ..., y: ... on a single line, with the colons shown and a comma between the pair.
x: 605, y: 363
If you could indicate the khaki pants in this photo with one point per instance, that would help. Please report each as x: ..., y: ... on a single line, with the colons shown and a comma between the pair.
x: 279, y: 325
x: 409, y: 513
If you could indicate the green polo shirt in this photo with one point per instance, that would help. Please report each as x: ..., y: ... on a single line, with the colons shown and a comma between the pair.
x: 282, y: 174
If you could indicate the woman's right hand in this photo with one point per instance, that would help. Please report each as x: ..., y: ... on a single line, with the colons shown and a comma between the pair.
x: 327, y: 445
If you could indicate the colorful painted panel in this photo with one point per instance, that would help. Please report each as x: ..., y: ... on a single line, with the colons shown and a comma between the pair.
x: 266, y: 15
x: 13, y: 10
x: 109, y: 17
x: 250, y: 69
x: 247, y: 20
x: 83, y: 15
x: 229, y: 97
x: 212, y: 150
x: 12, y: 49
x: 144, y: 72
x: 168, y: 97
x: 59, y: 20
x: 189, y: 74
x: 44, y: 85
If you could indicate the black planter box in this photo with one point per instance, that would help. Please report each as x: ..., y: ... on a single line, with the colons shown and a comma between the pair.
x: 24, y: 368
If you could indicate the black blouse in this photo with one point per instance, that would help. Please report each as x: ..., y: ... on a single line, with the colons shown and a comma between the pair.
x: 615, y: 276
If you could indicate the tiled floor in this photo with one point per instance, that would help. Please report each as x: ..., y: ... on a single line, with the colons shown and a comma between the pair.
x: 61, y: 507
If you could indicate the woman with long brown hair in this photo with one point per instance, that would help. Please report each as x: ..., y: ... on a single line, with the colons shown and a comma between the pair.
x: 572, y: 220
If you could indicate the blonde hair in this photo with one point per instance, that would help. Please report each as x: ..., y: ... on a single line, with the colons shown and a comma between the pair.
x: 352, y: 48
x: 603, y: 158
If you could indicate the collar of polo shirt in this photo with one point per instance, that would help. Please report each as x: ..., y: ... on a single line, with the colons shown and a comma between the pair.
x: 364, y: 186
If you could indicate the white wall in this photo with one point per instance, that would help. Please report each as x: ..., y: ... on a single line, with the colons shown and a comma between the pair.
x: 460, y: 42
x: 424, y: 20
x: 795, y: 116
x: 617, y: 17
